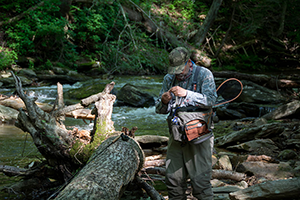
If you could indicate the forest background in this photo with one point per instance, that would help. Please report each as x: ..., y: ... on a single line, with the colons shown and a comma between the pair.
x: 135, y: 36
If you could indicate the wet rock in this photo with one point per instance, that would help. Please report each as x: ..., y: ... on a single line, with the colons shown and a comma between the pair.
x: 59, y: 70
x: 271, y: 171
x: 229, y: 114
x: 227, y: 189
x: 135, y: 96
x: 151, y: 139
x: 250, y: 133
x: 88, y: 88
x: 254, y: 93
x: 279, y: 189
x: 223, y: 163
x: 256, y: 145
x: 29, y: 73
x: 286, y: 110
x: 287, y: 154
x: 9, y: 82
x: 248, y: 109
x: 8, y: 115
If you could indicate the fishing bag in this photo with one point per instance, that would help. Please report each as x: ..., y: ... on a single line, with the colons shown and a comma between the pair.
x: 191, y: 125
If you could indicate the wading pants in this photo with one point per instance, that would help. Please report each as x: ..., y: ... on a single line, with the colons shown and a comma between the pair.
x: 192, y: 161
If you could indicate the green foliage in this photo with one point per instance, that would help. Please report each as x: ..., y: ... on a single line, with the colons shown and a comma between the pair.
x: 7, y: 58
x: 100, y: 31
x: 41, y: 33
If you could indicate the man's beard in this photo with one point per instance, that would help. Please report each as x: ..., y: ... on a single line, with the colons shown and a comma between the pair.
x: 180, y: 76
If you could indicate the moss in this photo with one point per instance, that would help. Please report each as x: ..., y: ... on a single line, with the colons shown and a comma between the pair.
x: 222, y: 128
x: 85, y: 91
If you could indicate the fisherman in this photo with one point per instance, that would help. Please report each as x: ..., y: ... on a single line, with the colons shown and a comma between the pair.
x: 188, y: 94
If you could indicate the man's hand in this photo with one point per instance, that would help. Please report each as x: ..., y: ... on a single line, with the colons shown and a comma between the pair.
x: 178, y: 91
x: 166, y: 97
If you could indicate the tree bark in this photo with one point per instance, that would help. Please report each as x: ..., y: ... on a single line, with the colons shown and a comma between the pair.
x: 113, y: 165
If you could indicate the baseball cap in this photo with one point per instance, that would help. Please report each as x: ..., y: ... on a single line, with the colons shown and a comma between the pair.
x: 178, y: 58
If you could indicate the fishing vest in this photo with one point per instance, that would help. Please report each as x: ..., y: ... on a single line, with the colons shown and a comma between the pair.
x: 190, y: 124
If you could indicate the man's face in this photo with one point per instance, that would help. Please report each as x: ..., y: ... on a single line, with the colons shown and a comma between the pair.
x: 185, y: 70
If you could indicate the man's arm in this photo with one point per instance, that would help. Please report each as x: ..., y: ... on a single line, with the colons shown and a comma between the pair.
x: 163, y: 104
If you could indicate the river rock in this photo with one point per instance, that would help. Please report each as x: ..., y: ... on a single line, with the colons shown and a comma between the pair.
x: 8, y: 115
x: 250, y: 133
x: 134, y: 96
x: 258, y: 146
x: 284, y: 111
x: 223, y: 163
x: 29, y: 73
x: 270, y: 190
x: 228, y: 114
x: 87, y: 88
x: 254, y: 93
x: 287, y: 154
x: 248, y: 109
x: 9, y: 82
x: 151, y: 139
x: 271, y: 171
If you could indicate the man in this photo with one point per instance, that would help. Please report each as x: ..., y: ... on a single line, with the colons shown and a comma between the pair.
x: 194, y: 92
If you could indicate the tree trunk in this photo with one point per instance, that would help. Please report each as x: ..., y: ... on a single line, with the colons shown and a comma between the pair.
x: 209, y: 20
x: 113, y: 165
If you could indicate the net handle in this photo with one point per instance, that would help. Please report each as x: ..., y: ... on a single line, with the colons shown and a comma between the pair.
x: 236, y: 95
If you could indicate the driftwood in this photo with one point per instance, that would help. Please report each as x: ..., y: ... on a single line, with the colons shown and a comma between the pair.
x: 154, y: 195
x: 17, y: 103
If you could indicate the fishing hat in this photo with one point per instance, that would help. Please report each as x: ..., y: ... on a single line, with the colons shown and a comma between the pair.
x: 178, y: 58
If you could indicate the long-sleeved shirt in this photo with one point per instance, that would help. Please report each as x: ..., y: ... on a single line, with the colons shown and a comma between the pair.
x: 204, y: 97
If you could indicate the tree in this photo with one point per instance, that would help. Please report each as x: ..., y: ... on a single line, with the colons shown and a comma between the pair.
x: 200, y: 36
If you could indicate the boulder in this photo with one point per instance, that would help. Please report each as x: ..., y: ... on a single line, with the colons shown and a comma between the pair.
x: 134, y: 96
x: 271, y: 171
x: 8, y: 115
x: 284, y: 111
x: 257, y: 146
x: 223, y: 163
x: 255, y: 93
x: 270, y: 190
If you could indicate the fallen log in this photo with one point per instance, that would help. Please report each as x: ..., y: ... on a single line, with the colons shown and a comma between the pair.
x: 17, y: 103
x: 110, y: 169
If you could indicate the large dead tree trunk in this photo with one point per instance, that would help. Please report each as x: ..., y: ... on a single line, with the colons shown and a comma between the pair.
x: 61, y: 147
x: 113, y: 165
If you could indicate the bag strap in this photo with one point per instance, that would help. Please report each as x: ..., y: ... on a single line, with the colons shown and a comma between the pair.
x: 197, y: 70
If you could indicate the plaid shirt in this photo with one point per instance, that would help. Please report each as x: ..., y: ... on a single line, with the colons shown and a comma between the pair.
x: 204, y: 97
